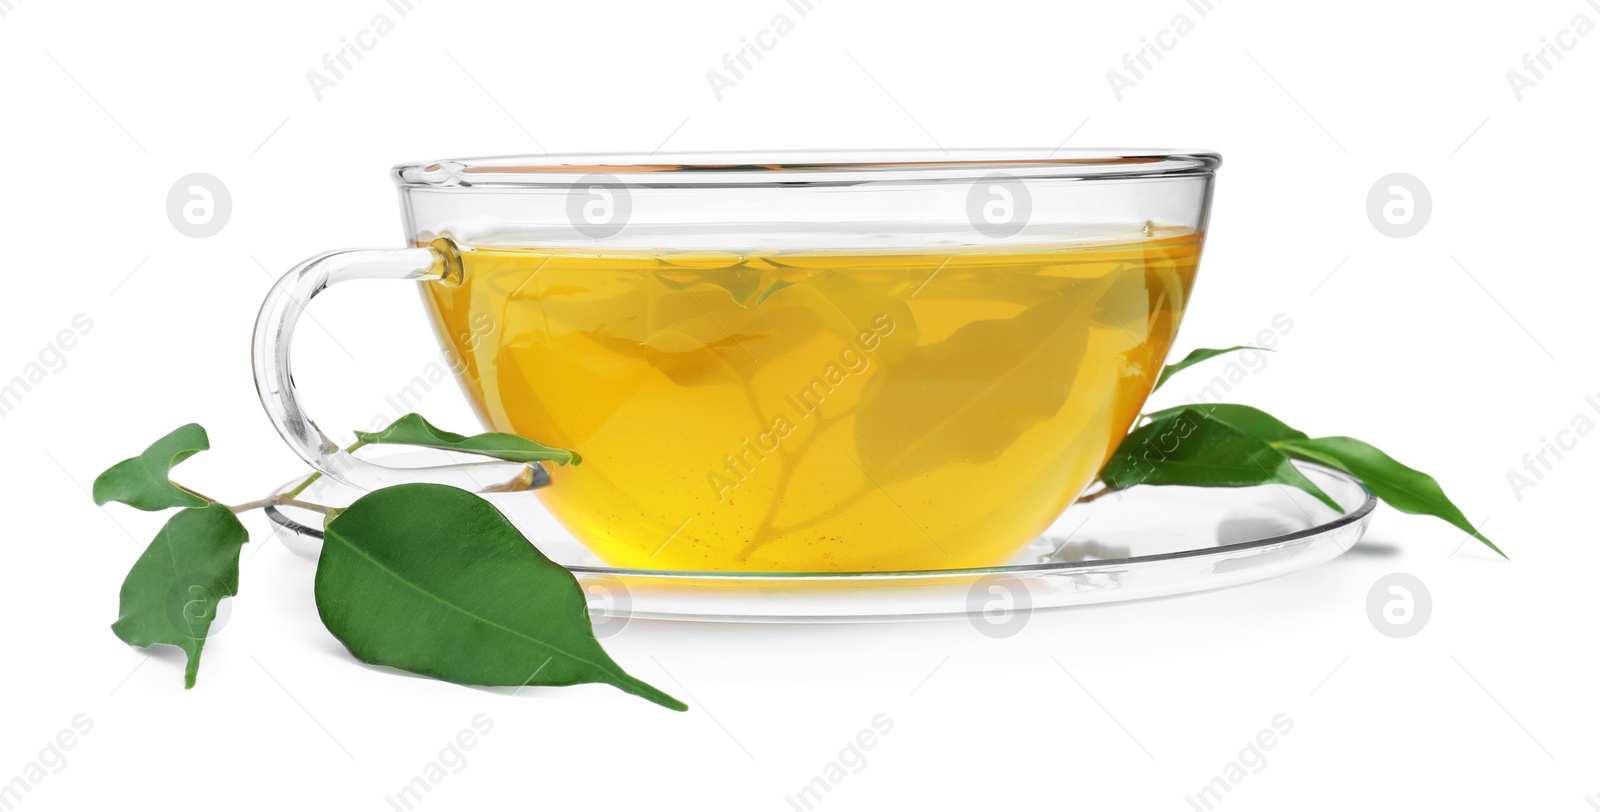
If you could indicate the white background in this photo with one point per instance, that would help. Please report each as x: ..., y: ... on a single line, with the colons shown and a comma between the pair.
x: 1460, y: 366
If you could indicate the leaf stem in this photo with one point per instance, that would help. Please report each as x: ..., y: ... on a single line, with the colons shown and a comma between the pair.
x: 1087, y: 498
x: 288, y: 497
x: 316, y: 475
x: 323, y: 509
x: 280, y: 501
x: 305, y: 483
x: 765, y: 531
x: 193, y: 492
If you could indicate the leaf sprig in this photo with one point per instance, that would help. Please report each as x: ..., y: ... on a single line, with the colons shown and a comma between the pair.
x: 1230, y: 445
x: 436, y: 581
x: 424, y: 578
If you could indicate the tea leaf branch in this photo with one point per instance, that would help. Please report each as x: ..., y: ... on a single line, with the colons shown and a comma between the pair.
x: 1231, y: 445
x: 424, y: 578
x: 434, y: 580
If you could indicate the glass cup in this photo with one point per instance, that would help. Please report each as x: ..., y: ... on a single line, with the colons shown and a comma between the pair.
x: 830, y: 362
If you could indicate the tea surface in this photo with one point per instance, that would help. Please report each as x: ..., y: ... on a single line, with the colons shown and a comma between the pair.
x: 817, y: 411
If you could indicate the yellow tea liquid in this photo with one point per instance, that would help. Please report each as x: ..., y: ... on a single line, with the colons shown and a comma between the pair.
x: 820, y: 410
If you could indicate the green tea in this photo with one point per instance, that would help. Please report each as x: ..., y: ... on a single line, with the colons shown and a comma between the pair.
x: 817, y: 410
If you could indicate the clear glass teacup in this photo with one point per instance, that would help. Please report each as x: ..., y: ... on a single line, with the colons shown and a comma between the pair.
x: 829, y: 362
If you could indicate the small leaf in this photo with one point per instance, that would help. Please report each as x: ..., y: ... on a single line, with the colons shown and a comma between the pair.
x: 852, y: 310
x: 1185, y: 448
x: 434, y: 580
x: 694, y: 335
x: 771, y: 289
x: 1022, y: 367
x: 1247, y: 419
x: 741, y: 280
x: 1196, y: 357
x: 720, y: 343
x: 171, y: 594
x: 142, y: 481
x: 1404, y: 488
x: 413, y: 430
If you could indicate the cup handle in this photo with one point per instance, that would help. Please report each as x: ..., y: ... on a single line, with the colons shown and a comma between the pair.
x: 275, y: 379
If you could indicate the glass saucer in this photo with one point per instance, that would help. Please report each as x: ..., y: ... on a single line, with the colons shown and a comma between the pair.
x: 1145, y: 542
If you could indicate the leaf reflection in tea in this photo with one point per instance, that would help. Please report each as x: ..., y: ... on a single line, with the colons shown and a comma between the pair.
x: 818, y: 410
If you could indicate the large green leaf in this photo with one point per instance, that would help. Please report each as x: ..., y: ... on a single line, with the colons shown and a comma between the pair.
x: 1404, y: 488
x: 435, y: 581
x: 413, y: 430
x: 1247, y: 419
x: 1186, y: 448
x: 143, y: 482
x: 171, y: 594
x: 971, y: 396
x: 1196, y: 357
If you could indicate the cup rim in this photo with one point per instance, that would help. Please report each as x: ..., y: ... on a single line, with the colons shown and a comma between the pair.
x: 802, y: 167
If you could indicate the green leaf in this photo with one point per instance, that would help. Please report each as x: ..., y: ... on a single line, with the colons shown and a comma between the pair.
x: 434, y: 580
x: 1404, y: 488
x: 171, y: 594
x: 1247, y: 419
x: 1196, y: 357
x: 1186, y: 448
x: 413, y: 430
x: 142, y: 481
